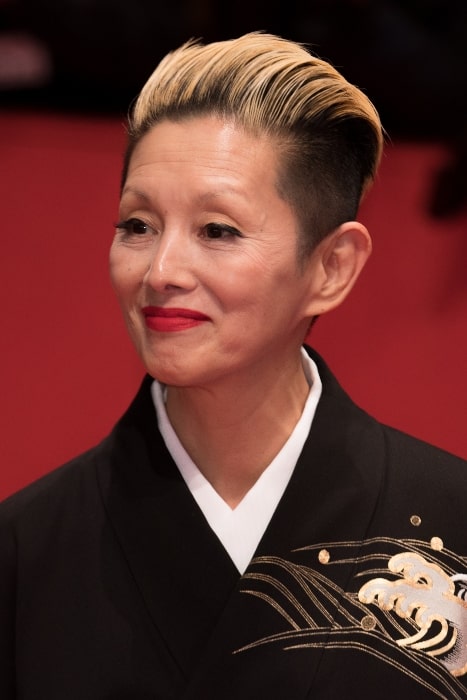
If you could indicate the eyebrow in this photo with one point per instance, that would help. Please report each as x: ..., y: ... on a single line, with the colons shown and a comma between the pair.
x: 214, y: 194
x: 136, y: 193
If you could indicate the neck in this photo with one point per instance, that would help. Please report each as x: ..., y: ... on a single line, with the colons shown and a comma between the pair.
x: 233, y: 430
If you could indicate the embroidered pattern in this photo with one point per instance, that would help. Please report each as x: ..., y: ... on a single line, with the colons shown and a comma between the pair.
x: 428, y: 595
x: 417, y: 623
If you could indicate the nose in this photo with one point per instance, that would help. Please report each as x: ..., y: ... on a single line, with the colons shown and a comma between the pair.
x: 171, y: 265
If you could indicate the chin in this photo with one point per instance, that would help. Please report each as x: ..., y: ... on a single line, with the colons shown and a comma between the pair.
x: 170, y: 373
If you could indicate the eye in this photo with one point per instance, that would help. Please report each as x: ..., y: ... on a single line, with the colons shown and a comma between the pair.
x: 213, y: 231
x: 132, y: 227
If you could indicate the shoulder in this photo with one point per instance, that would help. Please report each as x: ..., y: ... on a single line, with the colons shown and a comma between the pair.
x: 411, y: 469
x: 399, y: 446
x: 53, y: 521
x: 417, y: 469
x: 420, y: 453
x: 55, y: 493
x: 77, y: 480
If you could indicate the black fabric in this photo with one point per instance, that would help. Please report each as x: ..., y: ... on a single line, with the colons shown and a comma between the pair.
x: 113, y: 585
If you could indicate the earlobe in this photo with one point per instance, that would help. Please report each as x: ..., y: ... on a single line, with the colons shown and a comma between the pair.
x: 336, y: 264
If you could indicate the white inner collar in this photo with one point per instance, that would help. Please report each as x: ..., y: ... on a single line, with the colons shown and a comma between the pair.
x: 240, y: 529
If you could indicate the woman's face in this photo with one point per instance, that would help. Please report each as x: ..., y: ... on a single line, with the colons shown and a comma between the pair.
x: 204, y: 260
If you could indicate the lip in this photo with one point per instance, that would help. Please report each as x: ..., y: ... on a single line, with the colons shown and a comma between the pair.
x: 170, y: 319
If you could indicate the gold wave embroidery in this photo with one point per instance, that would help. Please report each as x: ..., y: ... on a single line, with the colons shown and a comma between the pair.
x: 316, y: 612
x: 426, y: 594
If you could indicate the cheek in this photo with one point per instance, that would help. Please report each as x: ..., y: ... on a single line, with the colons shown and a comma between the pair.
x: 116, y: 278
x: 251, y: 298
x: 239, y: 280
x: 124, y: 273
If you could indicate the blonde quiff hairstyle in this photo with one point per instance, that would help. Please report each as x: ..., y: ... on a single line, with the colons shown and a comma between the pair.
x: 327, y: 131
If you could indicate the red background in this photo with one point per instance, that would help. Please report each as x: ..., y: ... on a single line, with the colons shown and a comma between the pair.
x: 398, y: 344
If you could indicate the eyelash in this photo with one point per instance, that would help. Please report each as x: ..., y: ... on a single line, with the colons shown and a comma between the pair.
x: 129, y: 226
x: 222, y: 228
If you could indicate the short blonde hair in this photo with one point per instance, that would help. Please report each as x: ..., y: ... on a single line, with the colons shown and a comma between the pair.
x: 328, y: 131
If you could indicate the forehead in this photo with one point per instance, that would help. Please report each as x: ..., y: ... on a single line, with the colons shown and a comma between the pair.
x: 207, y: 146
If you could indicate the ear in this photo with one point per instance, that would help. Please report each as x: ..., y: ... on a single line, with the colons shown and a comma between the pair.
x: 335, y: 266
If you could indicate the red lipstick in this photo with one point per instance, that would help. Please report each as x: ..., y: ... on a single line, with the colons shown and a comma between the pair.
x: 167, y: 319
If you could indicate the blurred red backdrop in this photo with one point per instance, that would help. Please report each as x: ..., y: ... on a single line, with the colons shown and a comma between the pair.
x: 398, y: 344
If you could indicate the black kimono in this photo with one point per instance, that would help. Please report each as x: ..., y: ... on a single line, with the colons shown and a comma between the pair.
x: 114, y: 587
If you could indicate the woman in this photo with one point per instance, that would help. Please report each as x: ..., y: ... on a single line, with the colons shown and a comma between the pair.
x: 245, y: 531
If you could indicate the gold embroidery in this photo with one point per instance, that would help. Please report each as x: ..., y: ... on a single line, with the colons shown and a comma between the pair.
x: 318, y: 613
x: 437, y: 544
x: 426, y: 594
x: 416, y: 520
x: 324, y: 556
x: 368, y: 623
